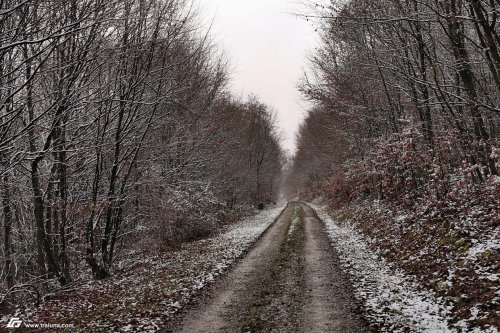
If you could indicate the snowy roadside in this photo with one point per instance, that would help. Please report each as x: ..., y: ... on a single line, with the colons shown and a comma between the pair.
x: 392, y: 300
x: 153, y: 288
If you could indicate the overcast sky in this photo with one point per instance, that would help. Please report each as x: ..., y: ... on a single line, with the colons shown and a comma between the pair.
x: 267, y: 47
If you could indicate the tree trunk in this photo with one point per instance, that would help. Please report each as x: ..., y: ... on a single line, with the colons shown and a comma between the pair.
x: 7, y: 222
x: 467, y: 76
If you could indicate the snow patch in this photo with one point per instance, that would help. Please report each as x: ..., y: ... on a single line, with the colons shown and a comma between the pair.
x: 481, y: 248
x: 390, y: 297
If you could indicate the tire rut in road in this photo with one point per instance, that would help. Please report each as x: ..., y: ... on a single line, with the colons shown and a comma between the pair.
x: 331, y: 306
x: 232, y: 300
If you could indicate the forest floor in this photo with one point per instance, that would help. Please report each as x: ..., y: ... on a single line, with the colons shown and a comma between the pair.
x: 287, y: 269
x: 449, y: 254
x: 147, y: 289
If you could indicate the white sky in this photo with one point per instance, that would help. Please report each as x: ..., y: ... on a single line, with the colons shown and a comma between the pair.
x: 267, y: 47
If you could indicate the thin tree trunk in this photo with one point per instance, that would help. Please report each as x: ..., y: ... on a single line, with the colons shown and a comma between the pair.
x: 7, y: 221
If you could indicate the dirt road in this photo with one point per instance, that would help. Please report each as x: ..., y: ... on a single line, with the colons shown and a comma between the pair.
x: 289, y: 282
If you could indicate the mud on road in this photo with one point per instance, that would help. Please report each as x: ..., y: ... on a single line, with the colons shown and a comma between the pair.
x: 291, y: 281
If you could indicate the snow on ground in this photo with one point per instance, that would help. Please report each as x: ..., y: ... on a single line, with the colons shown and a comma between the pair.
x: 481, y: 248
x: 392, y: 300
x: 148, y: 290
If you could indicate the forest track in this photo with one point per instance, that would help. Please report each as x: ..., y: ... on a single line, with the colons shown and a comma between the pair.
x: 290, y: 281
